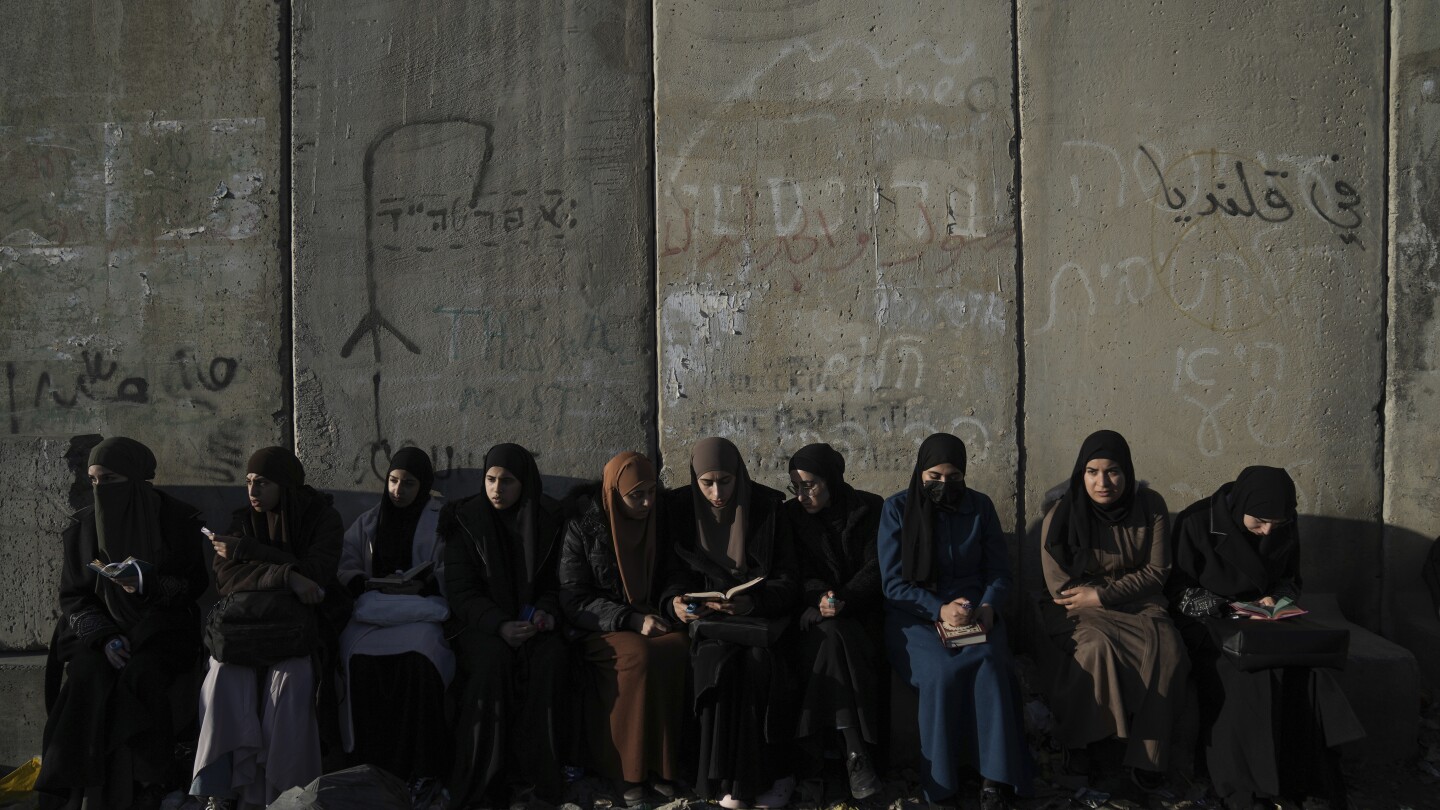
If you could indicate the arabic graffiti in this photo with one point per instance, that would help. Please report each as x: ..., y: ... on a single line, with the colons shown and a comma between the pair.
x: 1338, y: 205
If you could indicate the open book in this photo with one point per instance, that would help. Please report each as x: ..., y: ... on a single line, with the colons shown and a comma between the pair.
x: 716, y: 596
x: 400, y: 577
x: 962, y: 636
x: 1284, y: 608
x: 128, y: 568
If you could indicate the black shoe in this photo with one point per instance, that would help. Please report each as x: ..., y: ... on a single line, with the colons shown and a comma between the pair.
x: 663, y: 788
x: 1148, y: 781
x: 992, y: 798
x: 633, y: 794
x: 863, y: 781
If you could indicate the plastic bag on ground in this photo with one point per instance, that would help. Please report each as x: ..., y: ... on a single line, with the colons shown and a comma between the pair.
x: 363, y: 787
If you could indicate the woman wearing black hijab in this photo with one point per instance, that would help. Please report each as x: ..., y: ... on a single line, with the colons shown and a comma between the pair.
x: 259, y: 732
x: 839, y: 655
x: 727, y: 531
x: 1241, y: 544
x: 1119, y: 670
x: 502, y: 549
x: 393, y: 651
x: 943, y: 559
x: 120, y: 644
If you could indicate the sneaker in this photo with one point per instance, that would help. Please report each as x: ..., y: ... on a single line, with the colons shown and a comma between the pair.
x: 863, y: 781
x: 633, y: 794
x: 729, y: 802
x: 663, y: 788
x: 217, y: 803
x: 994, y: 799
x: 778, y: 795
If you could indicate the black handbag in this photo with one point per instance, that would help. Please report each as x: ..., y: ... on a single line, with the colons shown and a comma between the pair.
x: 1253, y: 645
x: 748, y: 631
x: 261, y: 628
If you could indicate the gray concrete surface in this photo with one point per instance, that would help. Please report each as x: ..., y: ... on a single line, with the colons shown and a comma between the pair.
x: 472, y: 208
x: 22, y: 706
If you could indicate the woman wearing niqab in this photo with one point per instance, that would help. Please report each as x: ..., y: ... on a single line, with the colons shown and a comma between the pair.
x: 259, y: 727
x: 393, y: 653
x: 839, y: 657
x: 109, y: 737
x: 943, y: 558
x: 613, y: 573
x: 1242, y: 544
x: 728, y: 530
x: 1117, y: 663
x: 502, y: 551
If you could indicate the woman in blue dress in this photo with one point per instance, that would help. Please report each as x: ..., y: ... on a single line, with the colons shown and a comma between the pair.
x: 943, y: 559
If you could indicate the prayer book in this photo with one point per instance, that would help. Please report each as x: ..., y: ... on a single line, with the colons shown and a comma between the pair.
x: 400, y: 577
x: 128, y: 568
x: 962, y: 636
x: 716, y: 596
x: 1283, y: 609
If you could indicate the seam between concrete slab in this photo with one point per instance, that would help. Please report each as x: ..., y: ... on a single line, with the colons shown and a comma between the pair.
x: 1381, y: 407
x: 1016, y: 204
x: 284, y: 58
x: 656, y: 422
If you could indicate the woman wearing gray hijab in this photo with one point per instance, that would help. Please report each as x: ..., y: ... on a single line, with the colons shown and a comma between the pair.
x: 727, y: 531
x: 121, y: 643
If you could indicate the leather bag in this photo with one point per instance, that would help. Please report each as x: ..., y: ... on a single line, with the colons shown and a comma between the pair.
x: 1253, y: 645
x: 261, y: 628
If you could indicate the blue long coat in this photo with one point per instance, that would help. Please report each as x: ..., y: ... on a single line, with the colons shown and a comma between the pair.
x: 970, y: 702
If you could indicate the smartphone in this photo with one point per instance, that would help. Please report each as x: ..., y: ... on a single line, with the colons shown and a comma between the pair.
x: 205, y: 530
x: 527, y: 613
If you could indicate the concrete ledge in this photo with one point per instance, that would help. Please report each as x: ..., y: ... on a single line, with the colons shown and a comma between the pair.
x: 1382, y: 681
x: 22, y: 706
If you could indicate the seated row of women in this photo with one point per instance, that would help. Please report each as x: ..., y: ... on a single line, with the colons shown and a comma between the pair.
x: 717, y: 633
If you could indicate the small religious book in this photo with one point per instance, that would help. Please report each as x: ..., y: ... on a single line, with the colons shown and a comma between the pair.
x: 962, y: 636
x: 717, y: 596
x: 400, y: 577
x: 1283, y: 609
x: 128, y: 568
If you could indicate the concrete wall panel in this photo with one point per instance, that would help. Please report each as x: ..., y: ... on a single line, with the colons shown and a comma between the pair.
x: 472, y: 207
x: 140, y: 284
x: 1204, y: 235
x: 835, y: 230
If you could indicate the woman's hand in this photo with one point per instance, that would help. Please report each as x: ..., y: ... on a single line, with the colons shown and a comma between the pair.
x: 985, y: 616
x: 956, y: 613
x: 1083, y: 596
x: 830, y: 607
x: 741, y: 605
x: 682, y: 610
x: 808, y: 617
x: 1267, y: 601
x: 517, y: 633
x: 305, y: 588
x: 129, y: 584
x: 543, y: 621
x: 648, y: 625
x: 117, y: 651
x: 222, y: 545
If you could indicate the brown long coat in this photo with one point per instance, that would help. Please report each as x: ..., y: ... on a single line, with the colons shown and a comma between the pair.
x: 1120, y: 668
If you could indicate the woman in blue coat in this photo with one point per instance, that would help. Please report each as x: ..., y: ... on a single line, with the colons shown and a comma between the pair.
x: 943, y: 559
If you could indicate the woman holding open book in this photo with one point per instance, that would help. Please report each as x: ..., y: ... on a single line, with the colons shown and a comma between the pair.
x: 728, y: 531
x: 393, y: 653
x: 945, y: 573
x: 1118, y: 665
x: 122, y: 640
x: 612, y: 576
x: 1269, y: 732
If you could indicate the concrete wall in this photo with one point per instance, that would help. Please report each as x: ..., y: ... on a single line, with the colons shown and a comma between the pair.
x: 140, y: 273
x: 1412, y: 424
x: 823, y: 239
x: 836, y: 234
x: 472, y: 217
x: 1204, y: 239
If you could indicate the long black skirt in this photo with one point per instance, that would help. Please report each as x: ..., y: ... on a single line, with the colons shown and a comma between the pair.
x: 746, y: 721
x: 398, y: 712
x: 838, y: 667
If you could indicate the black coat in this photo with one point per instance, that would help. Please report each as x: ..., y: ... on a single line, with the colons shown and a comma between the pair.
x: 591, y: 590
x: 1212, y: 552
x: 312, y: 548
x: 851, y: 570
x: 769, y: 552
x: 168, y: 603
x: 479, y: 581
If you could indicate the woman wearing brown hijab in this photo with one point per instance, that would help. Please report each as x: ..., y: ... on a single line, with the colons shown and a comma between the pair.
x: 612, y: 572
x: 122, y: 643
x: 1118, y: 665
x: 727, y: 531
x: 259, y: 731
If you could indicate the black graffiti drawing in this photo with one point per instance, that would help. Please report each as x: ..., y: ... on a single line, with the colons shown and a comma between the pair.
x: 389, y: 160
